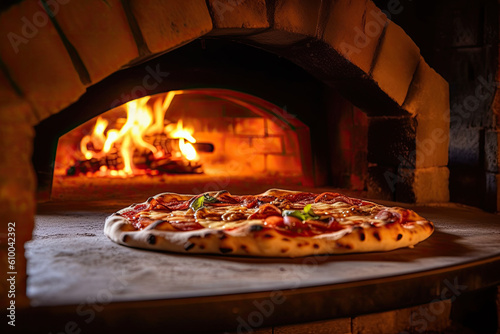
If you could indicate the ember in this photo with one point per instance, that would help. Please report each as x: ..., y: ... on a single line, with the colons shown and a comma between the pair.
x: 143, y: 143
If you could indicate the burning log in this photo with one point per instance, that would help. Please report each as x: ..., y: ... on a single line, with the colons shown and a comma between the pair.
x: 143, y: 143
x: 170, y: 162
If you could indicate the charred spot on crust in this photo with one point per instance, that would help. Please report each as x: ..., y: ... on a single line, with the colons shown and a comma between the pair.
x: 377, y: 236
x: 256, y: 228
x: 225, y: 250
x: 188, y: 245
x: 316, y: 246
x: 222, y: 236
x: 202, y: 246
x: 268, y: 236
x: 399, y: 237
x: 362, y: 236
x: 285, y: 239
x: 118, y: 214
x: 284, y: 250
x: 151, y: 239
x: 341, y: 245
x: 125, y: 238
x: 299, y: 245
x: 244, y: 247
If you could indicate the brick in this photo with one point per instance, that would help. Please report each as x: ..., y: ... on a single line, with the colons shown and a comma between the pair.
x: 257, y: 162
x: 465, y: 146
x: 274, y: 128
x: 17, y: 178
x: 395, y: 63
x: 268, y: 145
x: 16, y: 142
x: 386, y: 322
x: 423, y: 185
x: 436, y: 314
x: 337, y: 326
x: 432, y: 143
x: 17, y: 204
x: 166, y: 24
x: 354, y: 28
x: 240, y: 146
x: 51, y: 83
x: 252, y: 126
x: 391, y: 141
x: 16, y: 110
x: 283, y: 163
x: 297, y: 16
x: 473, y: 86
x: 428, y: 102
x: 100, y: 32
x: 239, y: 14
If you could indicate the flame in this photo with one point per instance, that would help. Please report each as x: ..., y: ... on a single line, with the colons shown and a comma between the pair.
x: 142, y: 119
x: 188, y: 150
x: 184, y: 134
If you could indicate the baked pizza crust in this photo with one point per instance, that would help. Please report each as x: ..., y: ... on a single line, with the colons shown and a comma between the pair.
x: 252, y: 240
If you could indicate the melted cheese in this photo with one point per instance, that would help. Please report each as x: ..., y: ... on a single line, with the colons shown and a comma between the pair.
x: 220, y: 217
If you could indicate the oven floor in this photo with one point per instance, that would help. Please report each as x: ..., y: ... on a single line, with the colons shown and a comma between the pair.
x: 71, y: 261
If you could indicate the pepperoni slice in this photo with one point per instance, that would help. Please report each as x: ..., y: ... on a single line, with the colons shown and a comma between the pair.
x: 265, y: 211
x: 331, y: 198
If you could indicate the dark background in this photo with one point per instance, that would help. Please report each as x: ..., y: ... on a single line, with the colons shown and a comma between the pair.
x: 459, y: 39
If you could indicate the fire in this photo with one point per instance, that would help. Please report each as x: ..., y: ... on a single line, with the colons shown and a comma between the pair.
x: 143, y: 120
x: 184, y: 134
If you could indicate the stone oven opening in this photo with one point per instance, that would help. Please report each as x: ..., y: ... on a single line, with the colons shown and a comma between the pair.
x: 180, y: 138
x: 305, y: 95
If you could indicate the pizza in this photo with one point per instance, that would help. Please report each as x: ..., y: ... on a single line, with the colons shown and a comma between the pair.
x: 277, y: 223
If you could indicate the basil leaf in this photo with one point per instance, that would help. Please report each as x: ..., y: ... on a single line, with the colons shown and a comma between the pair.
x: 309, y: 211
x: 197, y: 203
x: 306, y: 214
x: 200, y: 201
x: 210, y: 199
x: 297, y: 214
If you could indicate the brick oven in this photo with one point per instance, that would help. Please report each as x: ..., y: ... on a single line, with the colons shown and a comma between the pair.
x: 283, y: 93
